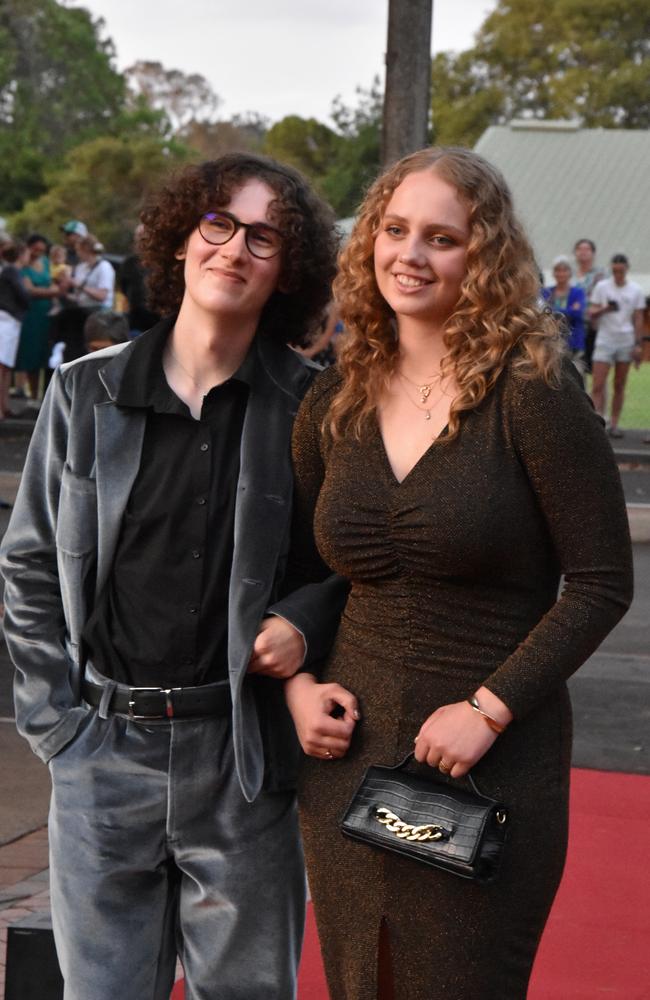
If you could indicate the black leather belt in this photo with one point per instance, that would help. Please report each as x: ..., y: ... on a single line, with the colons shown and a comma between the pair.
x: 162, y: 703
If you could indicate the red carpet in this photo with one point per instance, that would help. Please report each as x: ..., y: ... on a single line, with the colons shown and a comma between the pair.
x: 597, y: 941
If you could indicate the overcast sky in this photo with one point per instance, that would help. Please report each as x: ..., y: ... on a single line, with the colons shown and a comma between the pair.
x: 276, y: 57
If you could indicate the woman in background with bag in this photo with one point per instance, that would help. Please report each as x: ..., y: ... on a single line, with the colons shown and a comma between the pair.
x: 447, y: 463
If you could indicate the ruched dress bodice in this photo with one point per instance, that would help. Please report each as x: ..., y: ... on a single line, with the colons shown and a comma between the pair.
x: 418, y: 551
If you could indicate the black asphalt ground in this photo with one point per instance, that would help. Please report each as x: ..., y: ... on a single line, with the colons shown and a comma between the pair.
x: 610, y: 693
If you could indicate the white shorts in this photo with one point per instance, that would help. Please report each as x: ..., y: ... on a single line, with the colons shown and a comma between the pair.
x: 9, y: 338
x: 611, y: 353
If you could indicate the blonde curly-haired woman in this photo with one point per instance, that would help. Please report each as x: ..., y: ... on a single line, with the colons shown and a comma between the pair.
x: 448, y: 462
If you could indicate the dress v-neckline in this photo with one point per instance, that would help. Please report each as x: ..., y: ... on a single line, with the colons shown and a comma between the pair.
x: 387, y: 462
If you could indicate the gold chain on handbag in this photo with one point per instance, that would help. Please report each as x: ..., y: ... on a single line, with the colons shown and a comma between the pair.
x: 406, y: 831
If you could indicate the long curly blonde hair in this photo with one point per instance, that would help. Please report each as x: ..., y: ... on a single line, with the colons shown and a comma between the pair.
x: 498, y: 319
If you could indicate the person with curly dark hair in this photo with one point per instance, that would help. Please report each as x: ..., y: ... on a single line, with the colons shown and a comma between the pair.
x: 150, y: 612
x: 309, y: 242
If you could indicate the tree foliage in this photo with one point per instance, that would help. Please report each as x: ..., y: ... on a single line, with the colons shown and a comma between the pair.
x: 212, y: 139
x: 463, y: 102
x: 303, y: 142
x: 78, y: 139
x: 582, y: 59
x: 359, y: 155
x: 57, y: 88
x: 340, y: 162
x: 104, y: 182
x: 182, y: 97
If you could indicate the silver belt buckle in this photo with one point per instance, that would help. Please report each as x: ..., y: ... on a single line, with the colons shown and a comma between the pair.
x: 168, y: 703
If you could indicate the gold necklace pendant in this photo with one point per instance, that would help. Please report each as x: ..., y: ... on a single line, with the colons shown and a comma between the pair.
x: 424, y: 388
x: 425, y: 392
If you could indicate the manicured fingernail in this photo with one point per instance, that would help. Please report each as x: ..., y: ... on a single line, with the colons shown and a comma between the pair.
x: 356, y: 713
x: 416, y: 739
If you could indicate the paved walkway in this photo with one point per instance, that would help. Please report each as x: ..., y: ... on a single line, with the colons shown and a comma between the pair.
x: 24, y: 888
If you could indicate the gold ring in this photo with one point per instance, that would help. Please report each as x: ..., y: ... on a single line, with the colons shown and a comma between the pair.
x: 444, y: 766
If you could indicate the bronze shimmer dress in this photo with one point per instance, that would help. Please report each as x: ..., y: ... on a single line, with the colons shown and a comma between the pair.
x: 455, y: 576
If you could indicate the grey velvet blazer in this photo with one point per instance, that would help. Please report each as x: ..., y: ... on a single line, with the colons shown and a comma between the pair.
x: 58, y: 551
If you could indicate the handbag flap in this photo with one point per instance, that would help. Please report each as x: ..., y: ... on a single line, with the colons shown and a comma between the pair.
x: 461, y: 813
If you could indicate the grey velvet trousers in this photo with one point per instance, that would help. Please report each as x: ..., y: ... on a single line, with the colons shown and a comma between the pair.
x: 155, y: 852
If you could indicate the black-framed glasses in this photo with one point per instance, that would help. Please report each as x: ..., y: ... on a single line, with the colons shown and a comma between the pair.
x: 219, y: 227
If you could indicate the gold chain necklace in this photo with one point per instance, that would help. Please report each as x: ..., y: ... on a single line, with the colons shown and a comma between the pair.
x: 424, y: 388
x: 427, y: 409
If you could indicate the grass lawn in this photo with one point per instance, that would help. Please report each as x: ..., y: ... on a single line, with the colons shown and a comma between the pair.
x: 636, y: 409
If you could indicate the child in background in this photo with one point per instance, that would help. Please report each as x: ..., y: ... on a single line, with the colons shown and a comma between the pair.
x: 60, y: 272
x: 105, y: 328
x: 101, y: 329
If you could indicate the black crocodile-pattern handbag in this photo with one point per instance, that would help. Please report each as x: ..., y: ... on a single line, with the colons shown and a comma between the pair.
x: 429, y: 819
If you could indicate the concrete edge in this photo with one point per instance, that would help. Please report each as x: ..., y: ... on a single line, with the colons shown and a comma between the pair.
x: 635, y: 457
x: 638, y: 515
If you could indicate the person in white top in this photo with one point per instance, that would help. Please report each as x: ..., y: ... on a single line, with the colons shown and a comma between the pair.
x: 90, y: 287
x: 93, y: 279
x: 617, y: 305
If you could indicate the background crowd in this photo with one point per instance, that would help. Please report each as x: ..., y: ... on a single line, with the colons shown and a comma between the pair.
x: 604, y: 316
x: 60, y: 300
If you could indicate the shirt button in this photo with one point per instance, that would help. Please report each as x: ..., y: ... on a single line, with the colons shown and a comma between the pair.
x: 205, y: 446
x: 193, y: 609
x: 196, y: 554
x: 201, y: 501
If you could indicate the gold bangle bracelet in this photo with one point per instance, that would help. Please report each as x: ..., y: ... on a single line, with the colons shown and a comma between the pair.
x: 495, y: 726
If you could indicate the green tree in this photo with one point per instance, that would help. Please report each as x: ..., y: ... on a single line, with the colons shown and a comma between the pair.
x: 57, y: 88
x: 104, y: 182
x: 359, y: 154
x: 303, y: 142
x: 340, y: 162
x: 581, y: 59
x: 463, y: 102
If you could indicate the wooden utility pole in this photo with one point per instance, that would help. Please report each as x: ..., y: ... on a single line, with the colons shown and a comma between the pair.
x: 408, y: 78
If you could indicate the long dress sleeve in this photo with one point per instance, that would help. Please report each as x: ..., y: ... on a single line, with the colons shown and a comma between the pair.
x: 561, y: 444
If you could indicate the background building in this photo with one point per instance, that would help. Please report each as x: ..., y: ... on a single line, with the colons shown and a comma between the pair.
x: 569, y: 182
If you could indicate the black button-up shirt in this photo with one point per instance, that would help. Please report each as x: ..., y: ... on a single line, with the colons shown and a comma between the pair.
x: 162, y: 619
